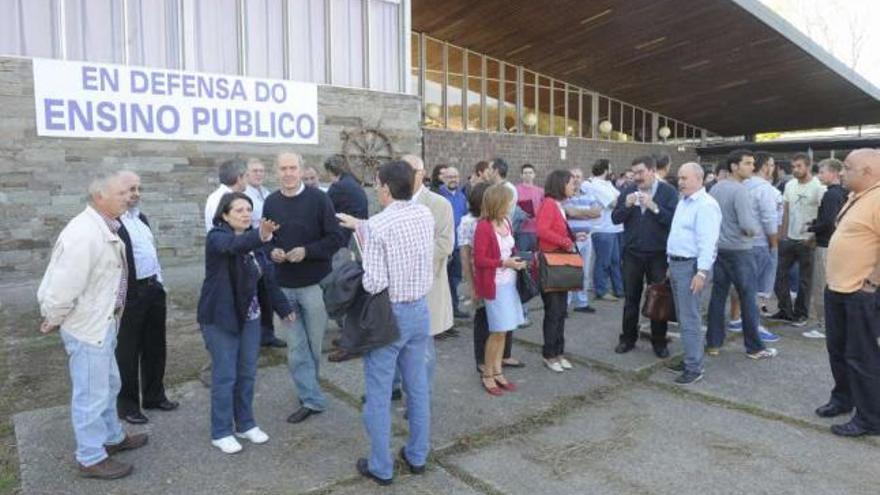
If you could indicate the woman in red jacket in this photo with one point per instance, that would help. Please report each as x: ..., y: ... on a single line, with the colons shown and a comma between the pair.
x: 495, y: 281
x: 554, y: 236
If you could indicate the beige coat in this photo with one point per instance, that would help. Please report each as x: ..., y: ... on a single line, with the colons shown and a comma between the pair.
x: 439, y: 298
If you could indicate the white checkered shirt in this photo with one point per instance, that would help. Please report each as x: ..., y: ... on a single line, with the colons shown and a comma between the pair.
x: 398, y: 248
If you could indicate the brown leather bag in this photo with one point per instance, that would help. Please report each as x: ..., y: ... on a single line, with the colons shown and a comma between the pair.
x: 560, y: 272
x: 659, y: 303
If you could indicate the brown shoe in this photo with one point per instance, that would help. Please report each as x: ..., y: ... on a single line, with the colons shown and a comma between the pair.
x: 338, y: 356
x: 130, y: 442
x: 108, y: 469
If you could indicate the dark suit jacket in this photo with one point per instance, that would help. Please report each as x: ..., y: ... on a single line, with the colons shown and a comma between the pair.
x: 131, y: 291
x: 646, y: 232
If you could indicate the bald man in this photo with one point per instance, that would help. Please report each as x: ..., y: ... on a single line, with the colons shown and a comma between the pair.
x: 852, y: 304
x: 691, y: 250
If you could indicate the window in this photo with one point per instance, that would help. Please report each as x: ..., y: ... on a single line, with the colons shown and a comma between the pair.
x: 454, y: 86
x: 347, y: 42
x: 306, y: 46
x: 93, y: 30
x: 530, y: 102
x: 572, y: 117
x: 211, y: 36
x: 385, y: 46
x: 587, y: 115
x: 154, y: 32
x: 435, y: 110
x: 493, y: 94
x: 510, y: 98
x: 29, y: 27
x: 264, y: 38
x: 474, y: 91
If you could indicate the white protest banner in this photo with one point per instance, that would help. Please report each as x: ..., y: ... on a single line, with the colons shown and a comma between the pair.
x: 82, y: 99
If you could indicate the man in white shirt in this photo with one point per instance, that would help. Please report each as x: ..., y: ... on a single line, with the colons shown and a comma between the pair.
x: 605, y: 237
x: 141, y: 349
x: 83, y: 294
x: 231, y: 175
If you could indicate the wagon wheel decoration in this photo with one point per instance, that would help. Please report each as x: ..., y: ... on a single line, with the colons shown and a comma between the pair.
x: 364, y: 151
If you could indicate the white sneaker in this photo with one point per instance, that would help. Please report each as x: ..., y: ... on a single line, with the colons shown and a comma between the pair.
x: 255, y: 435
x: 228, y: 445
x: 554, y: 366
x: 814, y: 334
x: 565, y: 363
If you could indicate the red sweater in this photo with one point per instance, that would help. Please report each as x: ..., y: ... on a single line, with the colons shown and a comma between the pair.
x: 553, y: 233
x: 487, y: 259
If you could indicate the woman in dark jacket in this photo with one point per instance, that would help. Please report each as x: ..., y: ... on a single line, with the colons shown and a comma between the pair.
x: 229, y: 315
x: 554, y: 236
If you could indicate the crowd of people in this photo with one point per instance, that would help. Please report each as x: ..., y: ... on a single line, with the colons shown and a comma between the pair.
x: 442, y: 248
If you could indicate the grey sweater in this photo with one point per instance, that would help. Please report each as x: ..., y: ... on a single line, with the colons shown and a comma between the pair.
x: 738, y: 223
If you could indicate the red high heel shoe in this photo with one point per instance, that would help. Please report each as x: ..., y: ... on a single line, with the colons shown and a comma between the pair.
x: 496, y: 391
x: 506, y: 385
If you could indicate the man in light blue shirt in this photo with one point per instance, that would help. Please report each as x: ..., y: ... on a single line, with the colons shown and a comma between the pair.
x: 582, y: 211
x: 691, y: 248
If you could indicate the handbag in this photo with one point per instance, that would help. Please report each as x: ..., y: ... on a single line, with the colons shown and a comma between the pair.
x: 560, y: 272
x: 526, y: 285
x: 659, y: 303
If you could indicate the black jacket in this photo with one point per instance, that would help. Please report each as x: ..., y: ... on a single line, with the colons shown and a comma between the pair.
x: 348, y: 197
x: 832, y: 201
x: 369, y: 319
x: 131, y: 292
x: 646, y: 233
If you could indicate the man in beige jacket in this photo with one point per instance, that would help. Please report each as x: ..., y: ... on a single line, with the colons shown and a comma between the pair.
x: 83, y: 294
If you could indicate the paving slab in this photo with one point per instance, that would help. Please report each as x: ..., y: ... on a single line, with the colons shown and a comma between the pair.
x: 436, y: 480
x: 646, y: 441
x: 179, y: 458
x: 593, y: 337
x: 460, y: 406
x: 794, y: 383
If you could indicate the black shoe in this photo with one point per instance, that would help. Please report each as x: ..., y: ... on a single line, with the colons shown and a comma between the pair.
x: 585, y: 309
x: 851, y: 430
x: 364, y: 470
x: 460, y: 314
x: 452, y: 332
x: 831, y: 410
x: 780, y: 316
x: 275, y: 342
x: 136, y: 418
x: 661, y: 352
x: 624, y: 347
x: 165, y: 405
x: 676, y: 367
x: 396, y: 394
x: 301, y: 415
x: 688, y: 377
x: 412, y: 469
x: 799, y: 321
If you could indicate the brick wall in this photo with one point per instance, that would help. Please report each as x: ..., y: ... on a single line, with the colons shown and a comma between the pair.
x: 465, y: 149
x: 43, y: 181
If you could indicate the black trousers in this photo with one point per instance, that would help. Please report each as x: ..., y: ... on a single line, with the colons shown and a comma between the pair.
x: 267, y: 316
x: 852, y: 325
x: 555, y: 312
x: 141, y: 349
x: 637, y: 269
x: 481, y: 334
x: 791, y: 252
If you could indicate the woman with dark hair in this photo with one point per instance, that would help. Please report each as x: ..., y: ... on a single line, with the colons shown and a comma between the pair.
x: 229, y: 315
x: 554, y: 236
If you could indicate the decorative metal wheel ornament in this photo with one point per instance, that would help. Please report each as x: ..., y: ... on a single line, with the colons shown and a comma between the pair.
x: 365, y: 149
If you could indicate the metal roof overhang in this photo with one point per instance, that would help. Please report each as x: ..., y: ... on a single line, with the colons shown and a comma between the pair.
x: 730, y: 66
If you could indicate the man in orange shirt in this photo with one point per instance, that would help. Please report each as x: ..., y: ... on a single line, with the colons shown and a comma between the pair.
x: 852, y: 304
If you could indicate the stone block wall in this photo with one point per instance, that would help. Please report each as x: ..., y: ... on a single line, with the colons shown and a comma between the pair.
x: 43, y: 181
x: 465, y: 149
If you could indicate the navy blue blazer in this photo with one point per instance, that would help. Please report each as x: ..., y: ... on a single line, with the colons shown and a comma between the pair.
x: 646, y: 233
x: 232, y: 279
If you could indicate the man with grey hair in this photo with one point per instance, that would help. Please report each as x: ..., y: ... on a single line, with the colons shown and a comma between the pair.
x: 691, y: 248
x: 303, y: 247
x: 231, y: 175
x: 83, y: 294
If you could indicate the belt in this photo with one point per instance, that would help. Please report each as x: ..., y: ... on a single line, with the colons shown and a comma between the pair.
x: 680, y: 258
x: 151, y: 280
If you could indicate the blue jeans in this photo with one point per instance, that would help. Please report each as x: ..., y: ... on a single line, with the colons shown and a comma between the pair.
x: 305, y: 336
x: 409, y: 355
x: 453, y: 270
x: 581, y: 297
x: 765, y: 267
x: 687, y: 308
x: 737, y: 268
x: 233, y: 376
x: 94, y: 378
x: 430, y: 361
x: 607, y: 264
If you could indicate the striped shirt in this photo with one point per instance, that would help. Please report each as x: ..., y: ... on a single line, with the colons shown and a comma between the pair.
x: 398, y: 246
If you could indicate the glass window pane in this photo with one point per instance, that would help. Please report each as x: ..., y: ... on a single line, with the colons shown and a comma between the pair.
x: 385, y: 46
x: 454, y: 86
x: 639, y: 121
x: 154, y: 32
x: 574, y: 110
x: 604, y: 115
x: 94, y: 30
x: 475, y: 91
x: 615, y: 120
x: 510, y: 122
x: 30, y: 27
x: 493, y: 94
x: 210, y: 36
x: 264, y: 39
x: 626, y: 129
x: 530, y: 103
x: 559, y: 123
x: 347, y: 45
x: 415, y: 62
x: 587, y: 115
x: 433, y: 54
x: 306, y: 38
x: 544, y: 107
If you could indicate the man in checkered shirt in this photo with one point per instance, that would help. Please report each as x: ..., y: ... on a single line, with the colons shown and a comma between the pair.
x: 398, y: 246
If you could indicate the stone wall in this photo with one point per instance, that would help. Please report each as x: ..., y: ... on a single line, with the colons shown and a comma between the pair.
x: 43, y: 181
x: 465, y: 149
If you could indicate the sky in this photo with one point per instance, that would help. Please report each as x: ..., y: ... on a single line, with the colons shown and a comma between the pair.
x: 845, y: 28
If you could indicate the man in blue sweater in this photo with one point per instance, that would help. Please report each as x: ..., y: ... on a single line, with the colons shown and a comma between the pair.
x: 304, y: 244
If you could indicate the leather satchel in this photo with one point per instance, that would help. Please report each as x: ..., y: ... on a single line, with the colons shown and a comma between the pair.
x: 560, y: 272
x: 659, y: 303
